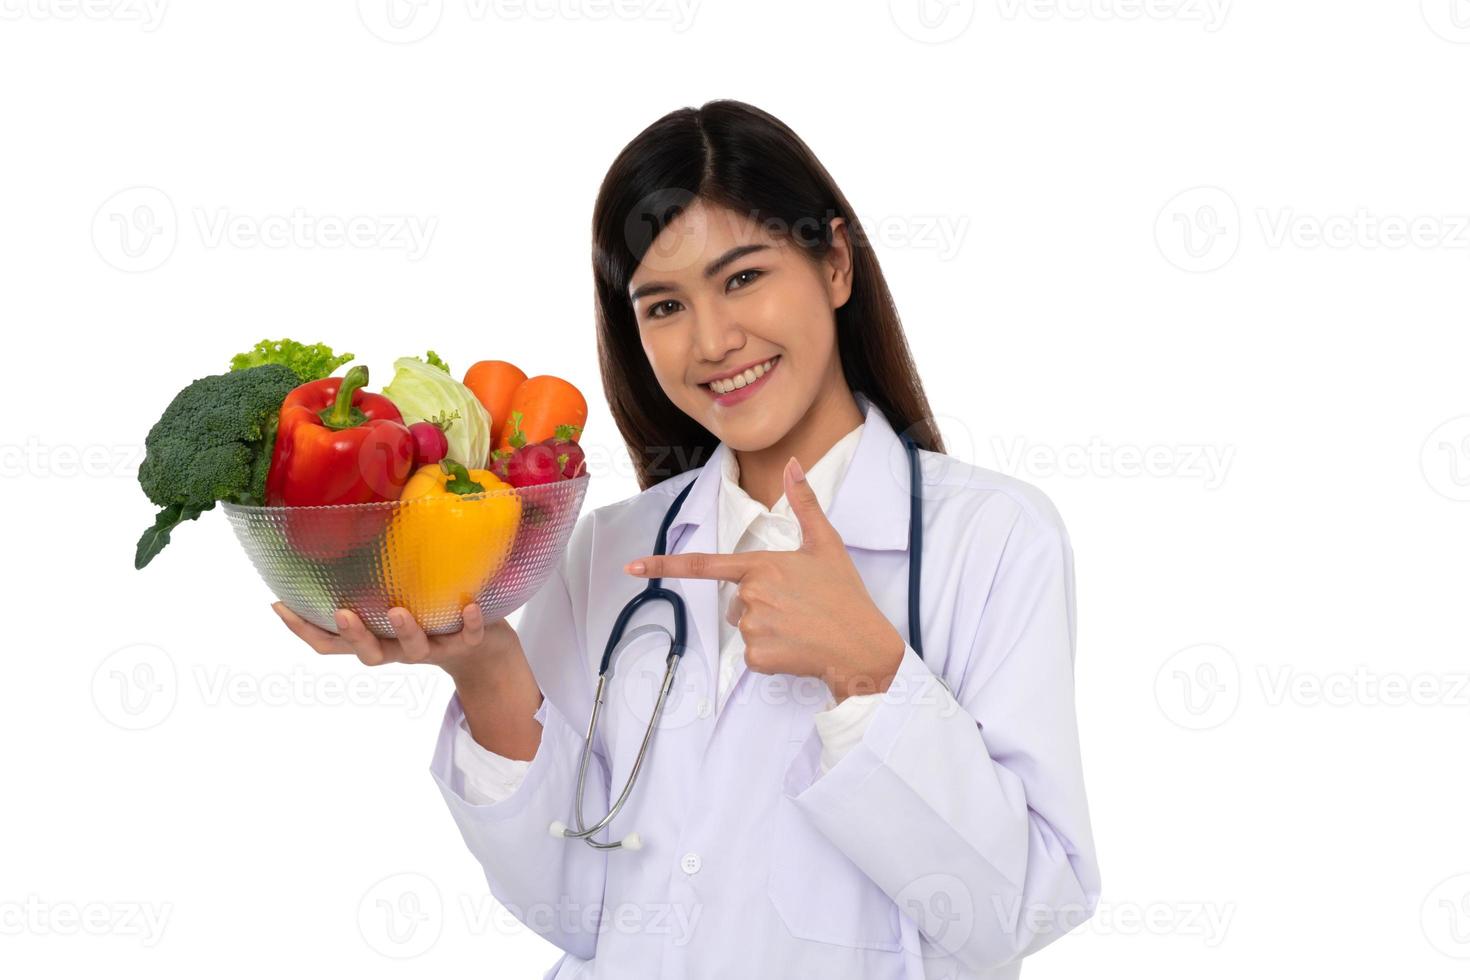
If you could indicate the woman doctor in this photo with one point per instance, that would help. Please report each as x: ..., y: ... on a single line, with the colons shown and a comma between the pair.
x: 818, y: 800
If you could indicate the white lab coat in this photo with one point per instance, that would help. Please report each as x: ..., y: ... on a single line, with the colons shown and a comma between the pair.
x: 950, y: 842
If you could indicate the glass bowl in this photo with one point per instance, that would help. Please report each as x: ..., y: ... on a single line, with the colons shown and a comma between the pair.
x: 432, y: 555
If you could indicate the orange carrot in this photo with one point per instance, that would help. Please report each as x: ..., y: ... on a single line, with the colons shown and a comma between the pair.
x: 493, y: 383
x: 539, y: 408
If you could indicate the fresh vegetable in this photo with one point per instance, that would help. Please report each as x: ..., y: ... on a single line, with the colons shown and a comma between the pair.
x: 430, y: 444
x: 338, y: 444
x: 533, y: 464
x: 537, y: 408
x: 494, y: 383
x: 569, y: 454
x: 310, y: 362
x: 451, y: 533
x: 423, y: 392
x: 212, y: 443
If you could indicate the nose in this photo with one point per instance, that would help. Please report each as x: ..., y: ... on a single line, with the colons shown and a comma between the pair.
x: 716, y: 333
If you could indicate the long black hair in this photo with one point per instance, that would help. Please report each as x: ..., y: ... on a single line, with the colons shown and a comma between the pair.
x: 736, y: 156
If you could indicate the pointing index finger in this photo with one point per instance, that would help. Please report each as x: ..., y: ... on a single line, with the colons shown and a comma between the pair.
x: 693, y: 564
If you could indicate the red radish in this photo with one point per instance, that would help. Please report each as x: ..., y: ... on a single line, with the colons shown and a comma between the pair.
x: 569, y: 454
x: 430, y: 445
x: 533, y: 464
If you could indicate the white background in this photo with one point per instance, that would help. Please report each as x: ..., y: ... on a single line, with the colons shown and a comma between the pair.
x: 1229, y: 240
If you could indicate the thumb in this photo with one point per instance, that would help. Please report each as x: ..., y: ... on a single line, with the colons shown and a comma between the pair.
x: 816, y: 530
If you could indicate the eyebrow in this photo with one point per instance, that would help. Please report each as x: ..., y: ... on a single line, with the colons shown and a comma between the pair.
x: 662, y: 287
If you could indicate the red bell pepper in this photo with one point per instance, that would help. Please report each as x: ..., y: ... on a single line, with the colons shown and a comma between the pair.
x: 338, y: 444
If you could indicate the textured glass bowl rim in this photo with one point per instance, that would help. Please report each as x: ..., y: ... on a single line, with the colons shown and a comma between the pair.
x: 389, y: 504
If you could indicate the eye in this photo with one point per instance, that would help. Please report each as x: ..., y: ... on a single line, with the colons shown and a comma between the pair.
x: 739, y: 277
x: 653, y: 310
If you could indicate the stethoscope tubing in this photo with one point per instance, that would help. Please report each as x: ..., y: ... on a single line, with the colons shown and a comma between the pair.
x: 656, y: 592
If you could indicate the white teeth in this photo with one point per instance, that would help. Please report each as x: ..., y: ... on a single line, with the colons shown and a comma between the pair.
x: 741, y: 380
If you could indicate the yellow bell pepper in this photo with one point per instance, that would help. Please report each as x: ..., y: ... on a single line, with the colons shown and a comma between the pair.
x: 449, y: 536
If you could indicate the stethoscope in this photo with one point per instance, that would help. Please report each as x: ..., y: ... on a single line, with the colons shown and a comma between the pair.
x: 654, y: 592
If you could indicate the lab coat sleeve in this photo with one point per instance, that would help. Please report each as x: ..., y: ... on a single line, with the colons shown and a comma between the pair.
x: 968, y: 809
x: 549, y: 883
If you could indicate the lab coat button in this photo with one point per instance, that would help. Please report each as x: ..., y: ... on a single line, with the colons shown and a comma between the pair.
x: 703, y: 708
x: 690, y: 863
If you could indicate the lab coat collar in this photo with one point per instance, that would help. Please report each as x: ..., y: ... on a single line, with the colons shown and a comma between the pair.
x: 870, y: 508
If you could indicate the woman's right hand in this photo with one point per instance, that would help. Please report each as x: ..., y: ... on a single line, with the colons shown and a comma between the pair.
x: 476, y: 647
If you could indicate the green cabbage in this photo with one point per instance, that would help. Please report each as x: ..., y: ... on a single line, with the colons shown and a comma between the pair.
x: 425, y: 393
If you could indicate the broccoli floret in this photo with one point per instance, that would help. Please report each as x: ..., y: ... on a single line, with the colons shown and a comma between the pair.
x: 212, y: 443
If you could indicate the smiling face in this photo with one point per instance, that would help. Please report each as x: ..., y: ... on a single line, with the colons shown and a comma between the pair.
x: 720, y: 296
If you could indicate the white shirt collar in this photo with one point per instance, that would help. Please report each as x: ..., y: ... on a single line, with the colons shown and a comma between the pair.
x: 739, y: 512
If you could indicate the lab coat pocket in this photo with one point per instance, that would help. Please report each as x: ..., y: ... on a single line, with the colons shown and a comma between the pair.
x: 820, y: 894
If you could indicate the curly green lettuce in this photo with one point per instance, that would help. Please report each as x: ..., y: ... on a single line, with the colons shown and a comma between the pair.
x: 310, y: 362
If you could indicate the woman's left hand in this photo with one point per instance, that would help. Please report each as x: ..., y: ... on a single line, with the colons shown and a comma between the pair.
x: 805, y: 612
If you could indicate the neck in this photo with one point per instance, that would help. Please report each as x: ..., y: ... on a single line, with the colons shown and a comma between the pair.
x: 833, y: 415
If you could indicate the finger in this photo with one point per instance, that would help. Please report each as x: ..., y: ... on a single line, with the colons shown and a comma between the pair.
x: 320, y: 640
x: 367, y: 646
x: 816, y: 529
x: 695, y: 564
x: 473, y: 633
x: 412, y: 640
x: 737, y: 606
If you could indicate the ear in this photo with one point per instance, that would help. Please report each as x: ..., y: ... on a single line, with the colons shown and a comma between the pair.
x: 839, y: 263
